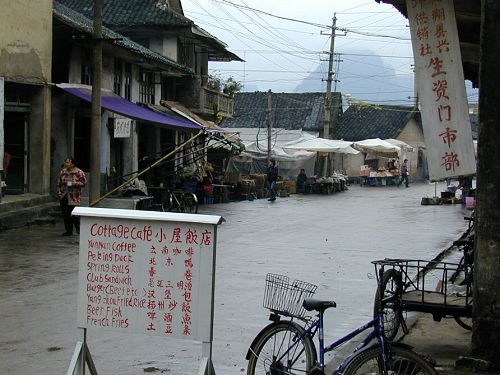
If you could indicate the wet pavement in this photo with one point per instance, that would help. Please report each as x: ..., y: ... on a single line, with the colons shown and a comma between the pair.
x: 326, y: 240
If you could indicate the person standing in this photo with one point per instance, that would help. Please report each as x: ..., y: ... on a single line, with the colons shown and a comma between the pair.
x: 69, y: 190
x: 272, y: 177
x: 301, y: 181
x: 404, y: 174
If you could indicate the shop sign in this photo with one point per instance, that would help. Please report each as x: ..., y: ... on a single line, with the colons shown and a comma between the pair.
x: 122, y: 127
x: 441, y: 88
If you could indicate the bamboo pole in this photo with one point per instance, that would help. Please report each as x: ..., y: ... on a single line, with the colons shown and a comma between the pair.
x: 148, y: 168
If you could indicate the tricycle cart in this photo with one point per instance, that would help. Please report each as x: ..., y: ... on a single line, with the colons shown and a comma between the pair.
x: 439, y: 288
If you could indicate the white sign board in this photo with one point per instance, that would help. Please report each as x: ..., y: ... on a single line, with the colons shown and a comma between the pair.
x: 2, y: 101
x: 147, y: 272
x: 122, y: 127
x: 441, y: 88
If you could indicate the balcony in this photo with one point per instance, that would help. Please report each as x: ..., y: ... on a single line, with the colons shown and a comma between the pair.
x: 215, y: 102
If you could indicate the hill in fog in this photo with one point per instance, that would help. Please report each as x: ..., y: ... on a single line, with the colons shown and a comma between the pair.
x: 365, y: 78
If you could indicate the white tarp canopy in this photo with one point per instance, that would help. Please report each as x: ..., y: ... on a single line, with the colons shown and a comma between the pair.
x: 379, y: 147
x: 405, y: 147
x: 322, y: 145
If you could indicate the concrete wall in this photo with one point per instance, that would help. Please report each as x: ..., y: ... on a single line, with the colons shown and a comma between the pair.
x: 26, y: 40
x: 412, y: 134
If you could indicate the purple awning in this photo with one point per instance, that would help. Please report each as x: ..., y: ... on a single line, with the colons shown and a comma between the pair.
x: 117, y: 104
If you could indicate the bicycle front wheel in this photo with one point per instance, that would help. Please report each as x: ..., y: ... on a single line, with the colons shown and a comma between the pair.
x: 190, y: 203
x: 281, y: 349
x: 400, y: 361
x: 389, y: 303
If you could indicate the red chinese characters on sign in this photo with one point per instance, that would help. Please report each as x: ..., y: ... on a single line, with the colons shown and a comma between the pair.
x: 147, y: 278
x: 176, y: 293
x: 450, y: 161
x: 431, y: 20
x: 449, y: 136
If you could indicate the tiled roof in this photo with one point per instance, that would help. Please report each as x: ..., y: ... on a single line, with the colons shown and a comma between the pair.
x: 289, y: 110
x: 84, y: 24
x: 127, y: 15
x: 366, y: 121
x: 131, y: 12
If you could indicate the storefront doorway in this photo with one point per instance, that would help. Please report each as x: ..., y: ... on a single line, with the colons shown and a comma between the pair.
x: 16, y: 152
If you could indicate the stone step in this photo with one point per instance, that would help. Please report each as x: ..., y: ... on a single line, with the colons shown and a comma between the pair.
x: 43, y: 220
x: 14, y: 203
x: 31, y: 215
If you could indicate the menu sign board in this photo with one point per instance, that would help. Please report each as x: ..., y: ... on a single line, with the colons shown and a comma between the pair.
x: 145, y: 274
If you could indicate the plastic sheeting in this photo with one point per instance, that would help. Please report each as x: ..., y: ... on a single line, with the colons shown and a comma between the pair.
x: 254, y: 159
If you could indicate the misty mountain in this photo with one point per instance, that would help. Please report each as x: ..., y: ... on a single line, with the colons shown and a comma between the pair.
x: 366, y: 77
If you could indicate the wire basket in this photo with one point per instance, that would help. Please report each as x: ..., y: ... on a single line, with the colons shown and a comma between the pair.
x: 286, y: 298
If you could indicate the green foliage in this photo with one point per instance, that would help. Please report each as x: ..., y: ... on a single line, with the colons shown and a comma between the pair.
x: 229, y: 86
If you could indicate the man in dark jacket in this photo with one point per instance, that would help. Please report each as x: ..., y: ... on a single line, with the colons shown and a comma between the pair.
x: 272, y: 176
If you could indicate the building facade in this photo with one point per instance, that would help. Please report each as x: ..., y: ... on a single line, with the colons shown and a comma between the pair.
x: 26, y: 66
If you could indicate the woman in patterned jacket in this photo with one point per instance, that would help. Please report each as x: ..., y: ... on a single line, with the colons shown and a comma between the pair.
x: 69, y: 190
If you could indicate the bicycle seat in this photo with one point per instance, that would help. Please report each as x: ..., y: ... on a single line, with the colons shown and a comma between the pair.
x: 319, y: 305
x: 463, y: 243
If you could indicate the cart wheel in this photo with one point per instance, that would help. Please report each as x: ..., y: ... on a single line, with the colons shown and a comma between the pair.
x: 465, y: 323
x: 390, y: 302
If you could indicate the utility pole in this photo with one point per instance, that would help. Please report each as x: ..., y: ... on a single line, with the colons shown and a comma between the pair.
x: 328, y: 98
x: 269, y: 124
x: 95, y: 129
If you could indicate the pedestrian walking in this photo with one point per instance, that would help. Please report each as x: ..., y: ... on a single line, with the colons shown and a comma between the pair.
x: 404, y: 174
x: 69, y: 190
x: 272, y: 176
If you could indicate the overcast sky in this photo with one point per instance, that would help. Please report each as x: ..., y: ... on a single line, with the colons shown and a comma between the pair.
x: 280, y: 52
x: 284, y: 41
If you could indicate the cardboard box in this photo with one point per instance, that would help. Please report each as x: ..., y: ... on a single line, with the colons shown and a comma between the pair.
x: 232, y: 177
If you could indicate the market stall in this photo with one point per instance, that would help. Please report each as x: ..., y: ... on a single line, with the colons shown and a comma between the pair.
x: 391, y: 151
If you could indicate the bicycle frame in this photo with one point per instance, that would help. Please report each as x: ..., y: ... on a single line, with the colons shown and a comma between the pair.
x: 317, y: 326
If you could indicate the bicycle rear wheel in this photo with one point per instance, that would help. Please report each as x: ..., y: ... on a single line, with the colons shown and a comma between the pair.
x: 400, y: 361
x: 391, y: 285
x: 190, y: 203
x: 268, y: 354
x: 172, y: 202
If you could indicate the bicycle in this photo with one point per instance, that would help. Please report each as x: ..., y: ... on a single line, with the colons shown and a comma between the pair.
x: 286, y: 347
x: 181, y: 201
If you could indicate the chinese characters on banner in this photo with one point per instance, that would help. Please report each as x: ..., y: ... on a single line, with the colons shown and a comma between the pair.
x: 441, y: 88
x: 144, y: 276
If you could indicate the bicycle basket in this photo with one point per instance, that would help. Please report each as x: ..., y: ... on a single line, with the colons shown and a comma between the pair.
x: 284, y: 297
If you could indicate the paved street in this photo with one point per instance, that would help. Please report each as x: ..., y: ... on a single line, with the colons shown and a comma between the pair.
x: 326, y: 240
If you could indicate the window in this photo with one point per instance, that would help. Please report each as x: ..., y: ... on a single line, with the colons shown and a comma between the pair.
x: 118, y: 77
x: 86, y: 74
x: 146, y: 87
x: 168, y: 85
x: 128, y: 81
